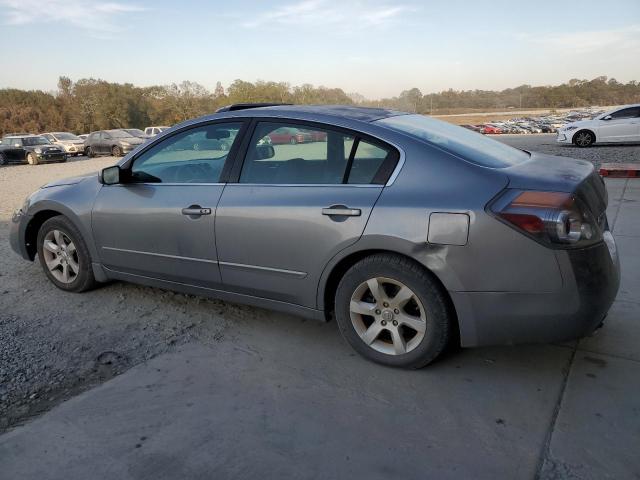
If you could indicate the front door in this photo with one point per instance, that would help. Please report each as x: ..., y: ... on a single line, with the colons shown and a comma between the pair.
x: 159, y: 222
x: 294, y: 207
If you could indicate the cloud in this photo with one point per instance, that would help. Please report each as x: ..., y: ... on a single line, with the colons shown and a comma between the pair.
x: 596, y: 41
x: 345, y: 16
x: 95, y: 16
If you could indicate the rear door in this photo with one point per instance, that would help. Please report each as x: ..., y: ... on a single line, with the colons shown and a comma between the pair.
x: 16, y: 151
x: 294, y: 206
x: 624, y: 126
x: 159, y: 222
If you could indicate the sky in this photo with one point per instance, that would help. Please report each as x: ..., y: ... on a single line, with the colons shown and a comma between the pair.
x: 376, y: 48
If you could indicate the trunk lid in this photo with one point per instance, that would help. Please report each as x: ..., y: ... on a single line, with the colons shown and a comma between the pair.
x: 561, y: 174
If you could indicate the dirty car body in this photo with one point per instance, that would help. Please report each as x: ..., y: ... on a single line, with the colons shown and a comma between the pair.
x: 516, y: 245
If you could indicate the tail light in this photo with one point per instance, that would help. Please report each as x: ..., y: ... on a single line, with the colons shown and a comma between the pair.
x: 556, y: 219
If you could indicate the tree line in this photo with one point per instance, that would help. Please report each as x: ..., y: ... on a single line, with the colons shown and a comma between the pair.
x: 89, y: 104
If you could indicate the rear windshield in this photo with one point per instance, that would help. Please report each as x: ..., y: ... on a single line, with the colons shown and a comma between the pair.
x: 473, y: 147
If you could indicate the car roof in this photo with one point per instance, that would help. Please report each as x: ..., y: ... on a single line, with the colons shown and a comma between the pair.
x: 363, y: 114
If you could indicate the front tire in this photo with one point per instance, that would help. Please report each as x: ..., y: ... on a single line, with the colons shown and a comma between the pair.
x: 32, y: 159
x: 64, y: 256
x: 3, y: 159
x: 584, y: 138
x: 293, y: 141
x: 116, y: 151
x: 89, y: 152
x: 392, y: 311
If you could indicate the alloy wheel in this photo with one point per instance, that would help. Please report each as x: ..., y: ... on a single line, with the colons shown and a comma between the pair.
x: 583, y: 139
x: 61, y: 256
x: 388, y: 316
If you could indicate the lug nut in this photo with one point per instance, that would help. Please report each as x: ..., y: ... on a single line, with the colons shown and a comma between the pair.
x: 385, y: 304
x: 396, y: 311
x: 377, y: 312
x: 395, y: 323
x: 383, y: 322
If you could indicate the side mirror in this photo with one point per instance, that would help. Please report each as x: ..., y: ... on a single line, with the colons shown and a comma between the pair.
x: 608, y: 117
x: 263, y: 152
x: 110, y: 175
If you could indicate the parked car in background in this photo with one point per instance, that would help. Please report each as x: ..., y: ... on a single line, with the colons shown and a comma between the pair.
x: 70, y: 143
x: 473, y: 128
x: 289, y: 135
x: 617, y: 126
x: 111, y: 142
x: 136, y: 132
x: 491, y: 129
x: 33, y: 149
x: 153, y: 131
x: 83, y: 136
x: 411, y: 232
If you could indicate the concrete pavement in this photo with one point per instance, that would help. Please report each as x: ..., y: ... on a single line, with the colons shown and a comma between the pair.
x: 246, y: 408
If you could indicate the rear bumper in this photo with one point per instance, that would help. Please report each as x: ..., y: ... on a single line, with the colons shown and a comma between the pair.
x: 591, y: 278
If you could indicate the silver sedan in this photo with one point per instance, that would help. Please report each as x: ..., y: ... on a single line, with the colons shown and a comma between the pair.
x: 412, y: 233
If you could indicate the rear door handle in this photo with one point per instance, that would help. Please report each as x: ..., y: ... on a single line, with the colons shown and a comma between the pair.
x: 196, y: 211
x: 341, y: 210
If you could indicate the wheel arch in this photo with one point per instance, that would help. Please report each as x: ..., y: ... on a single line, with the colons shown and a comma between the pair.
x: 42, y: 211
x: 590, y: 130
x: 332, y: 275
x: 33, y: 227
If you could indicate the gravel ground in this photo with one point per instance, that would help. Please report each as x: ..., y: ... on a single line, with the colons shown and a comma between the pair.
x: 55, y: 344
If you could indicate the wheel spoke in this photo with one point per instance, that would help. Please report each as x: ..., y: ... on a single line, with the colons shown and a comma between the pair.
x: 58, y: 237
x: 376, y: 290
x: 75, y: 268
x: 71, y: 249
x: 398, y: 342
x: 65, y: 273
x: 403, y: 296
x: 416, y: 323
x: 50, y: 246
x: 51, y: 264
x: 362, y: 308
x: 372, y: 333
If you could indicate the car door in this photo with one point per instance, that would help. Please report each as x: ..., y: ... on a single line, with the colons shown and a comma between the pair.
x: 16, y: 151
x: 620, y: 126
x: 159, y: 222
x: 291, y: 208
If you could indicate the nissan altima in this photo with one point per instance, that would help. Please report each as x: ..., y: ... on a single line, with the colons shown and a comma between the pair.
x: 410, y: 232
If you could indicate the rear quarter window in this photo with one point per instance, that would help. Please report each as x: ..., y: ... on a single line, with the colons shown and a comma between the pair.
x: 471, y: 146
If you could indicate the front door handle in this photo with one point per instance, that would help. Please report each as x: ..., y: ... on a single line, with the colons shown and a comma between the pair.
x: 196, y: 211
x: 342, y: 211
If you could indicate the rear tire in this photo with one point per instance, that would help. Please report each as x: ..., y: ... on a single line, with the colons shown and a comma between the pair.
x: 116, y: 151
x: 584, y: 138
x: 407, y: 322
x: 32, y: 159
x: 293, y: 141
x: 58, y: 233
x: 3, y: 159
x: 89, y: 152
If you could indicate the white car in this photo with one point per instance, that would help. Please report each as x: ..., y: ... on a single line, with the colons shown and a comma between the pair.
x: 72, y: 144
x: 617, y: 126
x: 153, y: 131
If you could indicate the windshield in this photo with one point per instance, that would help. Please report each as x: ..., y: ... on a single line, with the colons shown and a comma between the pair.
x: 471, y: 146
x: 35, y: 141
x: 66, y: 136
x: 119, y: 134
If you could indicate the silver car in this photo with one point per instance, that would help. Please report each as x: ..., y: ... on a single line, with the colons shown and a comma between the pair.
x: 412, y: 233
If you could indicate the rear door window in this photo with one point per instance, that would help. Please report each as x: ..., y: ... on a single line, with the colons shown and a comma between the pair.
x: 299, y: 154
